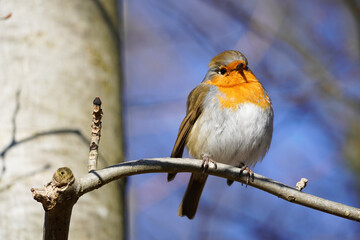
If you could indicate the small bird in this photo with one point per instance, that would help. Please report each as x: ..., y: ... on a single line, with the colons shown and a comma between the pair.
x: 229, y: 119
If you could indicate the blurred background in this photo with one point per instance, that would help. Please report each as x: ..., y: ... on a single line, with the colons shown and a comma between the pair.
x: 306, y: 54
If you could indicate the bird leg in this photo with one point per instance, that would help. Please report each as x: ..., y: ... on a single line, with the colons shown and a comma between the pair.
x: 205, y: 163
x: 250, y: 173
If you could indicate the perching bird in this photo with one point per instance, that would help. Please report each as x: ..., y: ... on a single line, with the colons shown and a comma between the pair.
x: 229, y: 119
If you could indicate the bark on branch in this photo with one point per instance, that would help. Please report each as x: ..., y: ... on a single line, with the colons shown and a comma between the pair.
x: 96, y: 179
x: 58, y: 198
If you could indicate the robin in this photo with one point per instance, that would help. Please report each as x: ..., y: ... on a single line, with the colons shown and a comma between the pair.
x: 229, y: 119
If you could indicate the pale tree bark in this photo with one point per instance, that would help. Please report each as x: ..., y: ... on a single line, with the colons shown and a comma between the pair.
x: 55, y: 57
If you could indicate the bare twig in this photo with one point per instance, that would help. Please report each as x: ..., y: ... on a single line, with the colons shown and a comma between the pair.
x: 95, y: 134
x: 96, y: 179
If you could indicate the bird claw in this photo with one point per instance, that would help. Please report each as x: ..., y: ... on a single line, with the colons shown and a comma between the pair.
x: 205, y: 163
x: 250, y: 173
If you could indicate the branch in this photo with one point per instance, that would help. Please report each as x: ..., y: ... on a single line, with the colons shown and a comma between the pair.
x: 58, y: 198
x: 97, y: 179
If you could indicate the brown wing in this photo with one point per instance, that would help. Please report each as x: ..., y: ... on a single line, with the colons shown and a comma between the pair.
x: 194, y: 110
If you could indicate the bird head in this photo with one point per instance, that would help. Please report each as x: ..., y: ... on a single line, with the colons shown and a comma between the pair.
x: 229, y: 68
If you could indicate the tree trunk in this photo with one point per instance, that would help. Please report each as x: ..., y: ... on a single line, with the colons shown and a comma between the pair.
x: 55, y: 57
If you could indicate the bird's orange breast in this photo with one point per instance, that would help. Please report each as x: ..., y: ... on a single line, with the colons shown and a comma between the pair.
x: 238, y: 88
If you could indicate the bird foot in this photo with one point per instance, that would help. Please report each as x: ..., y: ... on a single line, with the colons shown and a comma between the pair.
x: 250, y: 173
x: 206, y: 161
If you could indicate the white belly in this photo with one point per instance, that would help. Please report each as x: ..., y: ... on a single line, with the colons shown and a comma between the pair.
x: 232, y: 136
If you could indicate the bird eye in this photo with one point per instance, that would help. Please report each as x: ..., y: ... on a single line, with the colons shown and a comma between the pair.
x: 222, y: 71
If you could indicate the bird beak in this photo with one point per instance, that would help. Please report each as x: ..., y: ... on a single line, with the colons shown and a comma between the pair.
x: 240, y: 66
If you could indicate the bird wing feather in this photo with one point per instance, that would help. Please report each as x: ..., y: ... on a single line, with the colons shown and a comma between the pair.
x: 194, y: 110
